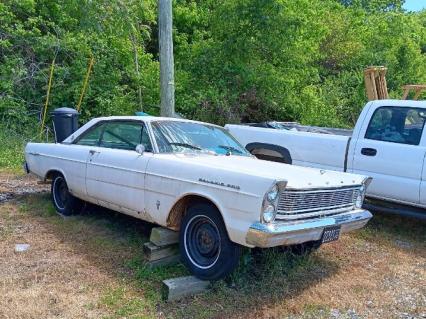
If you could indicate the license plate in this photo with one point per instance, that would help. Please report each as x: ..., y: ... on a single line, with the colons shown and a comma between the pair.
x: 330, y: 234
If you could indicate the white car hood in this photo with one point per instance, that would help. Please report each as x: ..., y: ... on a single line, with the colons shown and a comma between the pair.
x: 296, y: 176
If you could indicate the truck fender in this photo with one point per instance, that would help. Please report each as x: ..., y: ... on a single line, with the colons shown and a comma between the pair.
x: 270, y: 152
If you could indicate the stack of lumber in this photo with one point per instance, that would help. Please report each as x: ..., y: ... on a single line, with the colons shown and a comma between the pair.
x: 375, y: 83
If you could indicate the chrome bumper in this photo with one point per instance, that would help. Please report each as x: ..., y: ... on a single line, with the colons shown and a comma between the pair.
x: 282, y: 233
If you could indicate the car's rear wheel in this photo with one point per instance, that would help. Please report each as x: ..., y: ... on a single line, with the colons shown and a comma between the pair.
x: 205, y: 246
x: 64, y: 203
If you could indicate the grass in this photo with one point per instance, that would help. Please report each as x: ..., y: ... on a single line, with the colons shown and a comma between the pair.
x: 98, y: 255
x: 11, y: 150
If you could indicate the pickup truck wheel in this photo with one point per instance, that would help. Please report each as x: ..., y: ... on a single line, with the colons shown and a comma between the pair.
x: 64, y: 203
x: 204, y: 244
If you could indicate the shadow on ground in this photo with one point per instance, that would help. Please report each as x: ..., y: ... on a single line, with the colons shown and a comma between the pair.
x: 113, y: 242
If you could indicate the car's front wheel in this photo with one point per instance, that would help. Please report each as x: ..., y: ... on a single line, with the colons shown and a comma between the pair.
x: 205, y: 246
x: 64, y: 203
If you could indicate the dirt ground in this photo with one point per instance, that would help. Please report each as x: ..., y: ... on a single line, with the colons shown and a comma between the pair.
x: 90, y: 266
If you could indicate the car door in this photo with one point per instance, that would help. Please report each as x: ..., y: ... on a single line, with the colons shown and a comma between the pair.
x: 77, y: 154
x: 390, y: 150
x: 115, y: 175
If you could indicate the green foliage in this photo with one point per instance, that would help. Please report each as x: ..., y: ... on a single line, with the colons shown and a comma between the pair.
x: 12, y: 144
x: 299, y: 60
x: 235, y: 60
x: 33, y: 33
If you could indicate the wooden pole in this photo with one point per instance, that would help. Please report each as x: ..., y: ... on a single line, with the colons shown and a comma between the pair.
x: 46, y: 103
x: 86, y: 81
x: 167, y: 84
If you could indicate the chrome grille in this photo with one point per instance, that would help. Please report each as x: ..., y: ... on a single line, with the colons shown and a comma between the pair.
x: 296, y: 204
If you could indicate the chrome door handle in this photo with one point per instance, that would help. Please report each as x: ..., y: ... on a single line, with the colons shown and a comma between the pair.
x: 93, y: 152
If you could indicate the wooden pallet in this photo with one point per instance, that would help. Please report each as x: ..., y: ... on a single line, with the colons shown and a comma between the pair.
x: 375, y: 83
x: 417, y: 88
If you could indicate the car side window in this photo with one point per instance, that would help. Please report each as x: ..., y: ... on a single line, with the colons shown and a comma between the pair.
x: 397, y: 125
x: 122, y: 135
x: 92, y: 136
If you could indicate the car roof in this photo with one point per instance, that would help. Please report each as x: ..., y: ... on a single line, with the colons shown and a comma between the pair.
x: 147, y: 119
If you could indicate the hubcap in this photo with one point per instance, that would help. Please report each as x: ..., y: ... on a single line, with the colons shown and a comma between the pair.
x: 202, y: 241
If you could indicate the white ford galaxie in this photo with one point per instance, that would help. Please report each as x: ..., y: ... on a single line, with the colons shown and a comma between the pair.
x: 197, y: 179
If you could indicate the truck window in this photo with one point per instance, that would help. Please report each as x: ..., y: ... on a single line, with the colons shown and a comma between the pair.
x: 397, y: 125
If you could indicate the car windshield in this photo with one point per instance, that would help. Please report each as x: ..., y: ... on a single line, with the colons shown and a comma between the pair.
x: 177, y: 137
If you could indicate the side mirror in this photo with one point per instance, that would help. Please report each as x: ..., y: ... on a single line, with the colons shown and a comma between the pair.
x: 140, y: 149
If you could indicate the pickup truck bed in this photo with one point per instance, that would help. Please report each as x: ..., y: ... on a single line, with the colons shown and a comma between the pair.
x: 294, y: 126
x: 295, y: 144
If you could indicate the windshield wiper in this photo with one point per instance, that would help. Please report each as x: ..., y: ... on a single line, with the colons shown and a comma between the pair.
x: 230, y: 149
x: 186, y: 145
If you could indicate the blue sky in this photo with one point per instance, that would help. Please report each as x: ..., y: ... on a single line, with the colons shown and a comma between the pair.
x: 415, y: 5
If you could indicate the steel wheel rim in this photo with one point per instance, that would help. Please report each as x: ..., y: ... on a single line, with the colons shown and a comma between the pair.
x: 202, y: 241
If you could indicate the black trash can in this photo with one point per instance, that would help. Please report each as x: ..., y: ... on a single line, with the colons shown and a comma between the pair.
x: 65, y: 122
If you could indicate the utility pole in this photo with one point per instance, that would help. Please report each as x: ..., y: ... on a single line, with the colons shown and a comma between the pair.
x: 167, y: 81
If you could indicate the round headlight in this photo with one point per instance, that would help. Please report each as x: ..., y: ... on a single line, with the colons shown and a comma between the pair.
x: 359, y: 200
x: 272, y: 194
x: 268, y: 214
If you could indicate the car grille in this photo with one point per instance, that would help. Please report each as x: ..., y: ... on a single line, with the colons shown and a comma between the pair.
x: 298, y: 204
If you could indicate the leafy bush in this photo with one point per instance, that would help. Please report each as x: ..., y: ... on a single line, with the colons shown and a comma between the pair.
x: 235, y: 60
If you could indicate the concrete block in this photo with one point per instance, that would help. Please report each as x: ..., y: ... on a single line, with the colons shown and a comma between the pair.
x: 177, y: 288
x: 167, y: 261
x: 20, y: 248
x: 161, y: 236
x: 154, y: 252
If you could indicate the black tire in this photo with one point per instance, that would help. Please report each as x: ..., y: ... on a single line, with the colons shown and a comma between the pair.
x: 204, y: 243
x: 64, y: 203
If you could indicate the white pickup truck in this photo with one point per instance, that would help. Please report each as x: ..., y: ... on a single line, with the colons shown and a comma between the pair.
x: 388, y: 143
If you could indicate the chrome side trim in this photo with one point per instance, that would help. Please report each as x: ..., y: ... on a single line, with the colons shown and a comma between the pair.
x: 323, y: 189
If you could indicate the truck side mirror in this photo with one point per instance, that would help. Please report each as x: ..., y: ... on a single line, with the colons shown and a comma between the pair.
x: 140, y: 149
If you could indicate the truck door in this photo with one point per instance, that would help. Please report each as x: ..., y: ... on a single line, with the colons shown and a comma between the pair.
x: 391, y: 150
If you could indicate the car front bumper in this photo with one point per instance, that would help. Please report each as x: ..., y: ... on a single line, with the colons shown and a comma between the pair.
x: 285, y: 233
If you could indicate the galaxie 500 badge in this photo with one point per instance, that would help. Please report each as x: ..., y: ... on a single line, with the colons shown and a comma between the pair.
x: 219, y: 183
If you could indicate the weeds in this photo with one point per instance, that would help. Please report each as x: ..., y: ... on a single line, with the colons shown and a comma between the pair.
x: 266, y: 282
x: 12, y: 146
